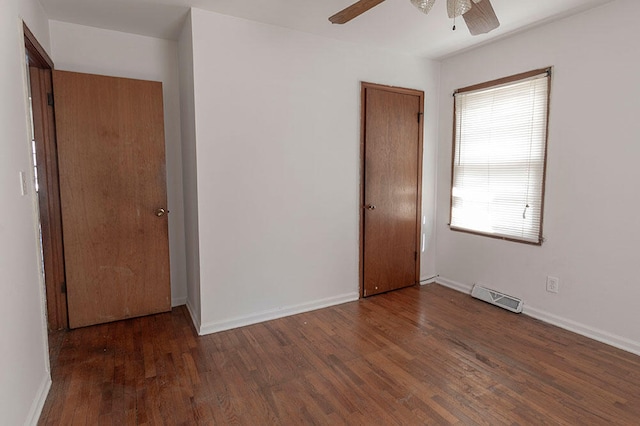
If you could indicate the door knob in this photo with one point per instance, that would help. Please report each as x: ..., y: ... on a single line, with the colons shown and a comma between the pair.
x: 161, y: 212
x: 371, y: 207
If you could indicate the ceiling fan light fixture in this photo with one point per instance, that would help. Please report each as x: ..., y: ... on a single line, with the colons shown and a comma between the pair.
x: 423, y: 5
x: 457, y: 8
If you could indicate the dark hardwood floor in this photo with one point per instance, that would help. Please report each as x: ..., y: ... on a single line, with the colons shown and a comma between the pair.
x: 422, y: 355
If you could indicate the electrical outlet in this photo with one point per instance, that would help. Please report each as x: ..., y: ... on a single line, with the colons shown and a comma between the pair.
x: 553, y: 284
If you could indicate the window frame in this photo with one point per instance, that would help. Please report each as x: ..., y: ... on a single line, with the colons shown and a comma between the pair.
x: 487, y: 85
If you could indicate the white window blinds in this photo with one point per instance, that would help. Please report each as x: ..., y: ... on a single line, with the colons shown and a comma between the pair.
x: 499, y: 158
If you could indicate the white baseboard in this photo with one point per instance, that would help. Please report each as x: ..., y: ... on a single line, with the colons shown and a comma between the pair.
x: 463, y: 288
x: 216, y: 326
x: 565, y: 323
x: 195, y: 319
x: 178, y: 301
x: 428, y: 280
x: 38, y: 402
x: 590, y: 332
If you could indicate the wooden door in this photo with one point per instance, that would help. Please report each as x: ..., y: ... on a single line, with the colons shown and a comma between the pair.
x: 110, y: 137
x: 48, y: 197
x: 392, y: 155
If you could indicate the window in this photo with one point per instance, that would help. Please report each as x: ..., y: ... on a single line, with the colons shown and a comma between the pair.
x: 499, y: 157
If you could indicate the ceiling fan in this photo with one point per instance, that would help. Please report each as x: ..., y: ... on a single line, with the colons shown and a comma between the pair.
x: 478, y: 14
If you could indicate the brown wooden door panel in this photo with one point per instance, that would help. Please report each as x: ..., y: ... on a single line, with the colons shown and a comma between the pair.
x: 112, y: 181
x: 392, y: 150
x: 48, y: 197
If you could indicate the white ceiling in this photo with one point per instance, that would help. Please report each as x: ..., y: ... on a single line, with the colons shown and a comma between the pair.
x: 394, y: 25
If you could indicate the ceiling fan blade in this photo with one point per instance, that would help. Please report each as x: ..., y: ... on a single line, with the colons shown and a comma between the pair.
x: 356, y: 9
x: 481, y: 18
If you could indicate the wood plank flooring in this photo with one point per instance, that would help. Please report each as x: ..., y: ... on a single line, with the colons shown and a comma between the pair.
x: 421, y: 355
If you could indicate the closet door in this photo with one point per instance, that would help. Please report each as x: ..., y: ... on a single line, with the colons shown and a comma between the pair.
x: 110, y: 136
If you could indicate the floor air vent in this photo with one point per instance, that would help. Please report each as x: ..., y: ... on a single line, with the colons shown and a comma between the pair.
x: 509, y: 303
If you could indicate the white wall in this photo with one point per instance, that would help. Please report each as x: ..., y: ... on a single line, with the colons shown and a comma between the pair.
x: 97, y: 51
x: 277, y: 115
x: 24, y: 375
x: 591, y: 213
x: 189, y: 170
